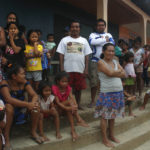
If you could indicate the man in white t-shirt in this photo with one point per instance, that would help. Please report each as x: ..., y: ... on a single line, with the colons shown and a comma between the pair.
x: 74, y: 51
x: 97, y: 40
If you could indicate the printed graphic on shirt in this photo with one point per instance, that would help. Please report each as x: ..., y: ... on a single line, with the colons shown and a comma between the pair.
x: 32, y: 61
x: 9, y: 50
x: 75, y: 47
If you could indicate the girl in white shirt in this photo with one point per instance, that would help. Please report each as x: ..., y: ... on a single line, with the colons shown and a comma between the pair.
x: 46, y: 100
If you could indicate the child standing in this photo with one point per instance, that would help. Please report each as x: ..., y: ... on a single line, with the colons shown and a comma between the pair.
x: 130, y: 73
x: 46, y: 100
x: 33, y: 54
x: 50, y: 44
x: 138, y: 63
x: 14, y: 51
x: 66, y: 102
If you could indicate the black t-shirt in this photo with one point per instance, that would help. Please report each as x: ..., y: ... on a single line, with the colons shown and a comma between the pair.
x: 10, y: 55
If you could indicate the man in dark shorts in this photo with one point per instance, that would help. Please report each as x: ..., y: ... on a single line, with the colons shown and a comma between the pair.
x: 74, y: 51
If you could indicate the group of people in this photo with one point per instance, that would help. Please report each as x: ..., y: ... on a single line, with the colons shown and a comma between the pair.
x: 25, y: 87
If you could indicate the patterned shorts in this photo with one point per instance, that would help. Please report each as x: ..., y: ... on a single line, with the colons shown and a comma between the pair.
x: 77, y: 80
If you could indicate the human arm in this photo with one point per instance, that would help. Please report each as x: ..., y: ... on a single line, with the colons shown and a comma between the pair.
x: 38, y: 50
x: 61, y: 61
x: 2, y: 37
x: 86, y: 65
x: 94, y: 40
x: 16, y: 48
x: 13, y: 101
x: 109, y: 72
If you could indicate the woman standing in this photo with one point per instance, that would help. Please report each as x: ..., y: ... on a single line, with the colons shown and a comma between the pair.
x: 111, y: 99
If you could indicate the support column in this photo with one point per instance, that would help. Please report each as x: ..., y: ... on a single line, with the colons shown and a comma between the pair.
x: 102, y: 10
x: 143, y: 30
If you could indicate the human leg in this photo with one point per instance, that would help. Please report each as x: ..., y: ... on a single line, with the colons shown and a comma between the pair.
x: 111, y: 123
x: 73, y: 132
x: 146, y: 97
x: 41, y: 132
x: 9, y: 120
x: 105, y: 140
x: 55, y: 114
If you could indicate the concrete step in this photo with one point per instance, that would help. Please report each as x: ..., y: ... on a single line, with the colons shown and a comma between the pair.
x: 130, y: 140
x: 87, y: 136
x: 87, y: 115
x: 145, y: 146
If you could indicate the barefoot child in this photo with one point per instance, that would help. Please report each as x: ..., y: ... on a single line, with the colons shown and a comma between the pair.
x: 130, y: 73
x: 66, y: 102
x: 46, y: 100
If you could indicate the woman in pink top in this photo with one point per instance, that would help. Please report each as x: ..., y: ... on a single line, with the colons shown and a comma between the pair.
x: 66, y: 102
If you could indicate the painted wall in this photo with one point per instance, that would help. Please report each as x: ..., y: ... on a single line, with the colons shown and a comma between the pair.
x: 30, y: 13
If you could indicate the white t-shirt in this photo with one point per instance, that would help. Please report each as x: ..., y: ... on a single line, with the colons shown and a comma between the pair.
x: 137, y: 55
x: 46, y: 104
x: 74, y: 51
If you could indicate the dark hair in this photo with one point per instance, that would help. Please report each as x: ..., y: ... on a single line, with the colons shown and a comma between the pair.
x: 121, y: 41
x: 17, y: 21
x: 74, y: 21
x: 50, y: 34
x: 10, y: 23
x: 127, y: 56
x: 22, y: 28
x: 137, y: 39
x: 29, y: 33
x: 105, y: 48
x: 12, y: 69
x: 100, y: 20
x: 38, y: 30
x: 42, y: 85
x: 61, y: 75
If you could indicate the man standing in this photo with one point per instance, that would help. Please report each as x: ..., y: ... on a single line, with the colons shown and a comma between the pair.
x: 74, y: 51
x: 97, y: 40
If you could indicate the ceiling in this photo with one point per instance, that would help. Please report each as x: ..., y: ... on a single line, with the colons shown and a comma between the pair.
x: 143, y: 4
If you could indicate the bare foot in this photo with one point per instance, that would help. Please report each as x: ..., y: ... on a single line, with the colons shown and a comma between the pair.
x: 45, y: 138
x: 74, y: 136
x: 142, y: 107
x: 82, y: 124
x: 114, y: 139
x: 58, y: 135
x: 107, y: 143
x: 132, y: 115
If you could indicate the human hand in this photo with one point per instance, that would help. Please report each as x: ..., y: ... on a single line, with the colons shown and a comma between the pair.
x: 11, y: 35
x: 4, y: 61
x: 36, y: 44
x: 107, y: 38
x: 33, y: 106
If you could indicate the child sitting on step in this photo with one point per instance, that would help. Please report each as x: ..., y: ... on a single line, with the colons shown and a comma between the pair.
x: 46, y: 100
x: 66, y: 102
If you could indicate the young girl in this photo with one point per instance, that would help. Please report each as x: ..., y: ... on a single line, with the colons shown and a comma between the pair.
x: 33, y: 54
x: 14, y: 51
x: 66, y: 102
x: 138, y: 62
x: 130, y: 73
x: 46, y: 100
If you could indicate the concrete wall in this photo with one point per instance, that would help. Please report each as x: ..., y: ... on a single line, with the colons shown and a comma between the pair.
x: 30, y: 13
